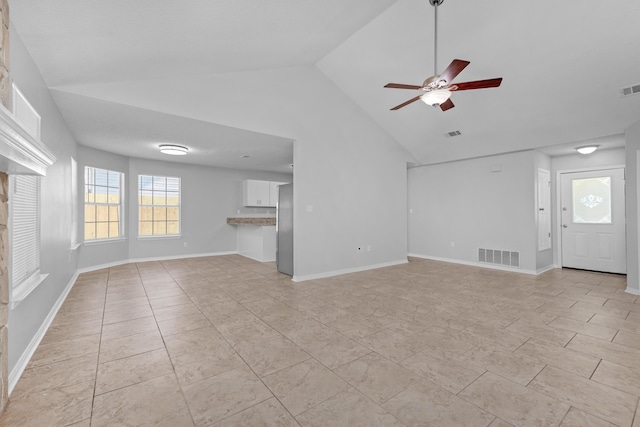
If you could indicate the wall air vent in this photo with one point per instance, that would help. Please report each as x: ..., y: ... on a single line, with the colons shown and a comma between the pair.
x: 631, y: 90
x: 452, y: 134
x: 496, y: 256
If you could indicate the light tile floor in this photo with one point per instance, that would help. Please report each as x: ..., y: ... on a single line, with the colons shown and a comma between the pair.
x: 227, y: 341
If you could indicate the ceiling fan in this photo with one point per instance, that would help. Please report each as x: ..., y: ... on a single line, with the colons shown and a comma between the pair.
x: 438, y: 88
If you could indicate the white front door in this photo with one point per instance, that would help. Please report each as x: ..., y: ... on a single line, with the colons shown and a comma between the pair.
x: 593, y: 220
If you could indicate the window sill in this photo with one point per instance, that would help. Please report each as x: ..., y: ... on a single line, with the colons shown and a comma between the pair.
x: 170, y: 237
x: 103, y: 241
x: 22, y: 291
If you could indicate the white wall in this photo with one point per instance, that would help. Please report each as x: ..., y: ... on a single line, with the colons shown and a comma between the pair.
x: 632, y: 136
x: 348, y: 170
x: 57, y: 259
x: 209, y: 196
x: 461, y: 206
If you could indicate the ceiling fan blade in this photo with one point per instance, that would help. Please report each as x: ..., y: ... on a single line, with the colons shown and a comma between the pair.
x: 401, y: 86
x: 448, y: 104
x: 397, y: 107
x: 479, y: 84
x: 455, y: 68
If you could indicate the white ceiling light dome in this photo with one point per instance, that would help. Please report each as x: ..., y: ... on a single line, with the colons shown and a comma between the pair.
x: 436, y: 97
x: 587, y: 149
x: 173, y: 150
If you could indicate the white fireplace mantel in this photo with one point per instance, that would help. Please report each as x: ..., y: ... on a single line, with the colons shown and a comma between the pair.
x: 20, y: 152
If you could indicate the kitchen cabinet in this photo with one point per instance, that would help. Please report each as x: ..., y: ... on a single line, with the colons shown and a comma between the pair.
x: 256, y: 193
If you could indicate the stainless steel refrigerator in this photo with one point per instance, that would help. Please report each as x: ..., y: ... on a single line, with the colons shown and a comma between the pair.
x: 284, y: 229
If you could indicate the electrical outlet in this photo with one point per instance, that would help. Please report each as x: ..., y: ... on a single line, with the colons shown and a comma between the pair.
x: 186, y: 244
x: 368, y: 248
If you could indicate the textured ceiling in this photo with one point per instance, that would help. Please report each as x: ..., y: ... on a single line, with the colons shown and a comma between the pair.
x: 110, y: 62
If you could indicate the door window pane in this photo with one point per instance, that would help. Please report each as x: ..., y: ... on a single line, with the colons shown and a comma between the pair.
x: 592, y: 200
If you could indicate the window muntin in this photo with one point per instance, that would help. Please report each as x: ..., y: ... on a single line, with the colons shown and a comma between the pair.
x: 102, y: 204
x: 158, y: 206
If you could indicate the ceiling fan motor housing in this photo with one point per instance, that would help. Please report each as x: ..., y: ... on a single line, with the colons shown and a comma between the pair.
x: 434, y: 82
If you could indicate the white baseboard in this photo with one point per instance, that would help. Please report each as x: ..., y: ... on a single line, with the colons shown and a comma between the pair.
x: 150, y: 259
x: 481, y: 264
x: 632, y: 291
x: 346, y: 271
x: 22, y: 363
x: 256, y: 259
x: 547, y: 268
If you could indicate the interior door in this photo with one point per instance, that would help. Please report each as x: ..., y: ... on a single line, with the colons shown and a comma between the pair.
x: 593, y: 220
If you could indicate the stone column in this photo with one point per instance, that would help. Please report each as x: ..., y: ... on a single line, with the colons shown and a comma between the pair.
x: 5, y: 97
x: 5, y: 83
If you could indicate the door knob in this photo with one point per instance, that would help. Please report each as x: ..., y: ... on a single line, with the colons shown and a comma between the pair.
x: 564, y: 225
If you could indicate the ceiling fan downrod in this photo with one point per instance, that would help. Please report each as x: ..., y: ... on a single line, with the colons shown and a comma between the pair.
x: 435, y: 4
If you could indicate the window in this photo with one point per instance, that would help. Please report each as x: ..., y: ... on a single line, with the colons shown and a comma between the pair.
x: 24, y: 202
x: 102, y: 204
x: 159, y: 206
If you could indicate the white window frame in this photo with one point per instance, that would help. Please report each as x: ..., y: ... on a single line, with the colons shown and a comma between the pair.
x: 119, y: 205
x: 24, y: 225
x: 75, y: 210
x: 140, y: 205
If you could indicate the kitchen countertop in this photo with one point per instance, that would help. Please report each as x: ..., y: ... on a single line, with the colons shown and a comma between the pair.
x: 257, y: 221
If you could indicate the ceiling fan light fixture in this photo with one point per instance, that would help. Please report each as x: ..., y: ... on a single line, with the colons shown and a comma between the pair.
x: 436, y: 97
x: 173, y: 150
x: 587, y: 149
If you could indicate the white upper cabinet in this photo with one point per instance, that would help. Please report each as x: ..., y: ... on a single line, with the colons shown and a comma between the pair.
x: 255, y: 193
x: 258, y: 193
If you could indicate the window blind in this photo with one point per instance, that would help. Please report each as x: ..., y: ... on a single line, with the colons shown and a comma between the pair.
x: 25, y: 227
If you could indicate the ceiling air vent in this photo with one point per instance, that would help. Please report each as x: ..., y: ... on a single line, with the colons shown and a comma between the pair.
x: 631, y: 90
x: 452, y: 134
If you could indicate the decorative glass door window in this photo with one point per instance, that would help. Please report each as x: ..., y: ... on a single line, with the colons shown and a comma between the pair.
x: 592, y: 200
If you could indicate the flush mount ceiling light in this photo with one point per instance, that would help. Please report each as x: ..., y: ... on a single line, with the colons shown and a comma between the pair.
x: 173, y: 150
x: 587, y: 149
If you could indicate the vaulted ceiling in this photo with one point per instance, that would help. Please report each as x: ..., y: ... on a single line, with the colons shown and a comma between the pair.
x: 110, y: 64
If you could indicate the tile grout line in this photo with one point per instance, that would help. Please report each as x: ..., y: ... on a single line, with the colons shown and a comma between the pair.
x: 95, y: 382
x: 175, y: 374
x: 236, y: 352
